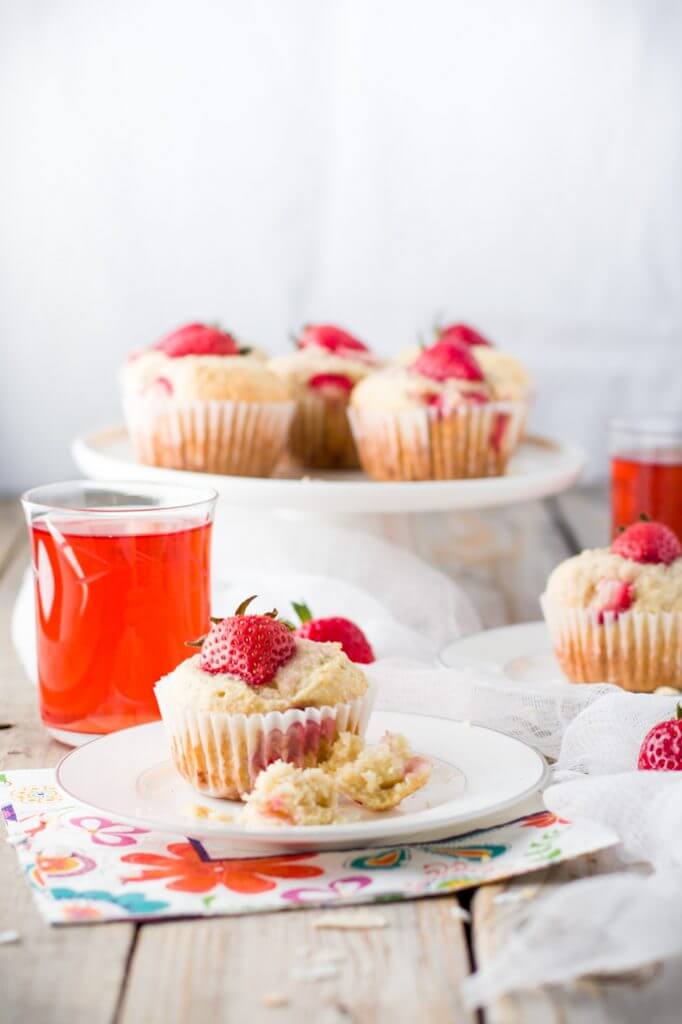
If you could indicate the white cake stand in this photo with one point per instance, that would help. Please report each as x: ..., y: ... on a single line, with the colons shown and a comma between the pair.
x: 540, y: 467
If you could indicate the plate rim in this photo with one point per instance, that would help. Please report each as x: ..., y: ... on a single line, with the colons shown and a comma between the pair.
x: 281, y: 836
x: 358, y: 495
x: 511, y: 627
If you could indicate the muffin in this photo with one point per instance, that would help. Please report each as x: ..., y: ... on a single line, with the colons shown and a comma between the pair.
x: 198, y: 401
x: 615, y: 614
x: 255, y: 694
x: 321, y: 374
x: 436, y: 418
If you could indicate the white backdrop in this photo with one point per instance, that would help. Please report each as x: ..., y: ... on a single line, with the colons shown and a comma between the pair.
x: 514, y: 164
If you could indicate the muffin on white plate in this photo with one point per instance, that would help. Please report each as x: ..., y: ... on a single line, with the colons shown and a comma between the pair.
x: 198, y: 401
x: 435, y: 418
x: 255, y: 694
x: 321, y: 374
x: 615, y: 614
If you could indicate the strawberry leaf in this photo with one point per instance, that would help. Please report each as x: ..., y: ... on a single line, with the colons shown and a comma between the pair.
x: 302, y: 610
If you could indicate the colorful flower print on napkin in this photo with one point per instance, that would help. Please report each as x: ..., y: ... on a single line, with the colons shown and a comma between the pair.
x: 86, y: 868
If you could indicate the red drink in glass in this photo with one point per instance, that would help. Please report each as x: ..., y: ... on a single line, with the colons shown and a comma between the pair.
x: 118, y: 592
x: 646, y: 472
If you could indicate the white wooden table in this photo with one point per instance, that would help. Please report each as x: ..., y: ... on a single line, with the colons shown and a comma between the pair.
x: 221, y: 969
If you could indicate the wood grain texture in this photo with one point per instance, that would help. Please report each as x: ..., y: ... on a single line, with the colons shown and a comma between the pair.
x: 227, y: 969
x: 52, y: 975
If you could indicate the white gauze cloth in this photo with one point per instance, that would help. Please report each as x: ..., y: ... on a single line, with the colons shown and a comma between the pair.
x: 615, y: 922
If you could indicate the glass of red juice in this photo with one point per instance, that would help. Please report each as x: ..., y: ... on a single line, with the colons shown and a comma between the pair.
x: 646, y: 471
x: 122, y: 580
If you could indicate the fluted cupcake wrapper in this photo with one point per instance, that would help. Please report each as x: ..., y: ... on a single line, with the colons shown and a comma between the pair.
x: 221, y: 754
x: 638, y: 651
x: 235, y: 438
x: 427, y: 444
x: 320, y: 433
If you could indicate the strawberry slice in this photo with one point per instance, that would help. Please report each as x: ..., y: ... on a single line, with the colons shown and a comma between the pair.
x: 333, y: 339
x: 447, y: 360
x: 463, y: 334
x: 331, y: 382
x: 198, y: 340
x: 613, y: 596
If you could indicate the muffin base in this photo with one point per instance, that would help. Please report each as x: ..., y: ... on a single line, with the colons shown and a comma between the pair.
x: 221, y: 754
x: 320, y: 435
x: 425, y: 444
x: 234, y: 438
x: 638, y: 651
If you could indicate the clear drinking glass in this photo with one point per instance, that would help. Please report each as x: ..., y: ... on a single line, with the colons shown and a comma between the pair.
x: 122, y: 580
x: 646, y: 471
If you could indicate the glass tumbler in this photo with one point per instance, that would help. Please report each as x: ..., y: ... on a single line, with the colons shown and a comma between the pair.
x: 646, y: 471
x: 122, y: 581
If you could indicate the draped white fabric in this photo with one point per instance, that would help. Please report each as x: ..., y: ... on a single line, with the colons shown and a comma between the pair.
x: 380, y: 163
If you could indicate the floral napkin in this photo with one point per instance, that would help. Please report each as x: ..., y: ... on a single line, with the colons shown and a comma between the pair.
x: 85, y: 867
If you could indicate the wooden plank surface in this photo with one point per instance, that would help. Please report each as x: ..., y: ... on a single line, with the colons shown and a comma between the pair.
x: 51, y: 974
x: 235, y: 969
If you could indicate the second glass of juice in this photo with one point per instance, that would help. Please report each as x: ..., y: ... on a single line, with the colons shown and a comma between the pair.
x: 646, y: 471
x: 122, y: 581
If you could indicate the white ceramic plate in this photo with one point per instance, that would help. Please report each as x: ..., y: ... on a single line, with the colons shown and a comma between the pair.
x: 476, y: 772
x: 522, y: 652
x: 539, y: 468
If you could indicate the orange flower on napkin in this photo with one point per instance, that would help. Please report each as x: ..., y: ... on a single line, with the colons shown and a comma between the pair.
x: 189, y: 873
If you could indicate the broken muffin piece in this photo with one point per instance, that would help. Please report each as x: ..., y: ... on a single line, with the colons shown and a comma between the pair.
x: 379, y: 777
x: 286, y: 795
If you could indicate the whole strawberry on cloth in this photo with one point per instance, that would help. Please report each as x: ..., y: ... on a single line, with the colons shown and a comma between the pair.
x: 661, y: 749
x: 338, y: 629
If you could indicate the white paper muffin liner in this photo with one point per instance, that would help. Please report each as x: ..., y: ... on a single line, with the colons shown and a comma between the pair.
x: 236, y: 438
x: 321, y: 436
x: 638, y: 651
x: 221, y: 754
x: 425, y: 444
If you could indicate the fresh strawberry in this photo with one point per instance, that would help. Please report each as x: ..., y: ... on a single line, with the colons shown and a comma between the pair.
x: 648, y: 542
x: 331, y: 382
x: 464, y: 334
x: 333, y: 339
x: 198, y: 340
x: 614, y: 596
x: 342, y: 631
x: 661, y: 750
x: 252, y: 647
x: 447, y: 359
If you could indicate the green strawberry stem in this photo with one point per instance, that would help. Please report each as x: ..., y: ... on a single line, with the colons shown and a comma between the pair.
x: 302, y: 610
x: 678, y: 712
x: 245, y: 604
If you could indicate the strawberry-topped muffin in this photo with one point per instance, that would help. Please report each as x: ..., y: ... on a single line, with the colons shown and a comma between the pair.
x: 254, y: 694
x: 435, y: 418
x: 615, y: 614
x: 321, y: 373
x: 198, y: 400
